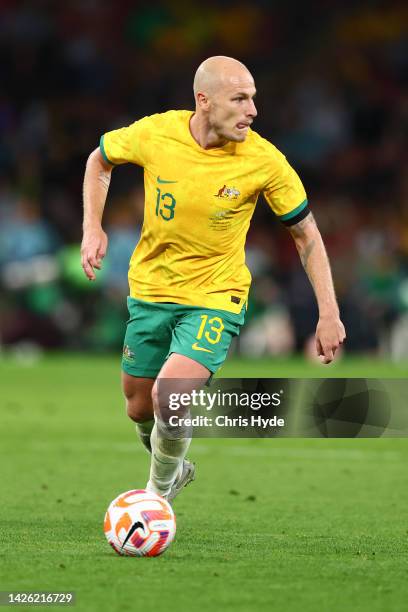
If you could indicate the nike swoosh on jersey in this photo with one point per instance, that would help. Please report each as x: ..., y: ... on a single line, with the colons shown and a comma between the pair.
x: 159, y: 180
x: 200, y: 348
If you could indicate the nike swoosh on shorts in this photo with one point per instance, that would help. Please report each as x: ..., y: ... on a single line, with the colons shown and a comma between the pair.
x: 200, y: 348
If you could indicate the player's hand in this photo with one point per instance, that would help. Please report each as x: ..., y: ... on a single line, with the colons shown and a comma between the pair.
x: 93, y: 250
x: 330, y: 333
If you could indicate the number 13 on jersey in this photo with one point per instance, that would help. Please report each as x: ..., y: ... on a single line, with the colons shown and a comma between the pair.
x: 165, y: 205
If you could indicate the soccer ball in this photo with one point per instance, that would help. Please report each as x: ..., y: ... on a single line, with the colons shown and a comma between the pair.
x: 139, y: 524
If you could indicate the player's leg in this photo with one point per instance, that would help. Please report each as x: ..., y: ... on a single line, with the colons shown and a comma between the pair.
x: 171, y: 442
x: 139, y: 405
x: 146, y: 345
x: 200, y: 342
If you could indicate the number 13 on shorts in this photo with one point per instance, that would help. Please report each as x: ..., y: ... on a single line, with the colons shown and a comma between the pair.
x: 210, y: 328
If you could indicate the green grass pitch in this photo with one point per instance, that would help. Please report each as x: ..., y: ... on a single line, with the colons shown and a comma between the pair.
x: 284, y: 524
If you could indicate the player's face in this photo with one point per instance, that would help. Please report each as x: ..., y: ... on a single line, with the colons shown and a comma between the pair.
x: 232, y: 108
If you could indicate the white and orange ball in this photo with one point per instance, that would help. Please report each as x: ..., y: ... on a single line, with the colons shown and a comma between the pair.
x: 140, y: 524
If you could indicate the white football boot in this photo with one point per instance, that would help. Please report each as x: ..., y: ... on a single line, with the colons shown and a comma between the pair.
x: 187, y: 475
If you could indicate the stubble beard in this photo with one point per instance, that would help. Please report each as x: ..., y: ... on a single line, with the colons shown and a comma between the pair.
x: 229, y: 135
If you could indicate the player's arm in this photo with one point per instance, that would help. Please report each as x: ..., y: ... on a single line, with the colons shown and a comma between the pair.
x: 330, y: 331
x: 96, y: 184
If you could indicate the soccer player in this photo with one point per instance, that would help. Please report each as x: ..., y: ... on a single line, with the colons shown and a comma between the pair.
x: 203, y: 173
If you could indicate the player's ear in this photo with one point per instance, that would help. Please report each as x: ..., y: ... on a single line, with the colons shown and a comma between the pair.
x: 202, y: 101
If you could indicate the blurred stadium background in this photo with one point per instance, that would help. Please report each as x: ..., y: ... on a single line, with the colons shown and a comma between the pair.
x: 332, y: 95
x: 279, y: 524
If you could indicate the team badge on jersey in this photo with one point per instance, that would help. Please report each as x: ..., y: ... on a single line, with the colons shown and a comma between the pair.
x: 228, y: 192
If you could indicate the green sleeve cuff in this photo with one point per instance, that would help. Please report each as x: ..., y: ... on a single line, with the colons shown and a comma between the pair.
x: 102, y: 148
x: 294, y: 212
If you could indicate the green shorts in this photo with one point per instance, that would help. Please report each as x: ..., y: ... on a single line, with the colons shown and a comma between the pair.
x: 155, y: 330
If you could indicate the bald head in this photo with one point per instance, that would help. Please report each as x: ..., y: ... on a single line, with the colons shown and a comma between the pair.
x: 224, y: 92
x: 218, y: 72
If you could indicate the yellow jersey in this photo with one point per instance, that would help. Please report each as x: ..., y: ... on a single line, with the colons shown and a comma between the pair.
x: 198, y: 207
